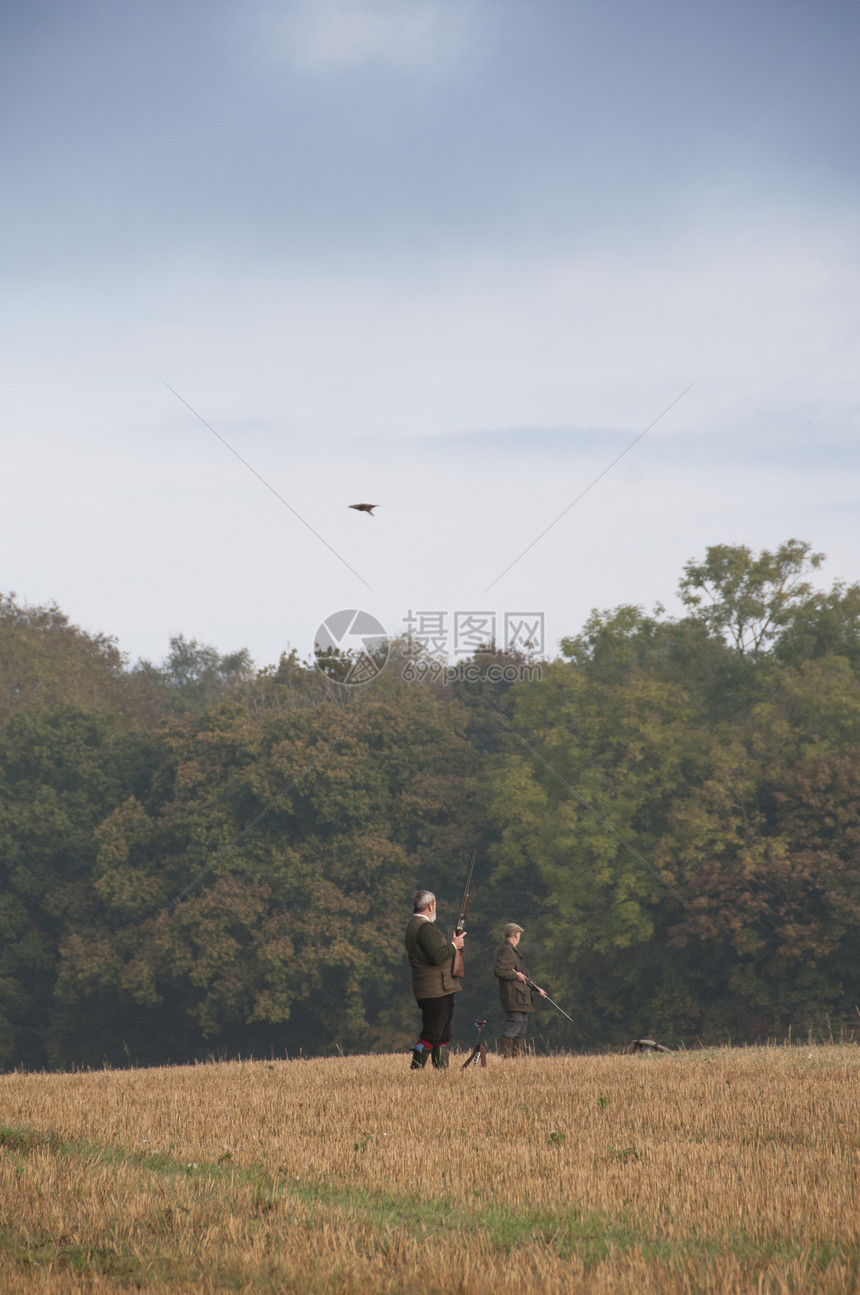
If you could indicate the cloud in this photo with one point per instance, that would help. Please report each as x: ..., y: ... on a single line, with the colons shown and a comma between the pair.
x: 326, y: 35
x: 432, y: 251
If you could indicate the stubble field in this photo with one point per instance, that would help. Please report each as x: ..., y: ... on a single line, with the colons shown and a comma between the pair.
x: 718, y: 1170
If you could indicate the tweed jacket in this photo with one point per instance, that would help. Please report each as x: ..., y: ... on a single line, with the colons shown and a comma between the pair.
x: 514, y: 995
x: 431, y: 958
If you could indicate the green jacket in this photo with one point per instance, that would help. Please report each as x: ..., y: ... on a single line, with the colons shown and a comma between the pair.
x: 514, y: 995
x: 430, y: 957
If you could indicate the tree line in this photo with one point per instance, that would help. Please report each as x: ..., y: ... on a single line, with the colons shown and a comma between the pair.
x: 203, y: 857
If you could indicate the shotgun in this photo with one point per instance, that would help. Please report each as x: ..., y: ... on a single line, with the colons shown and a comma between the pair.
x: 531, y: 984
x: 457, y: 967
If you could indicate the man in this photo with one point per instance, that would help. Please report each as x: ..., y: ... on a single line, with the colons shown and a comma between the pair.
x: 514, y: 992
x: 431, y: 957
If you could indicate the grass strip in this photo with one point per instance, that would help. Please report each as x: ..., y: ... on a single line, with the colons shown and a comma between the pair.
x: 591, y: 1236
x: 105, y: 1261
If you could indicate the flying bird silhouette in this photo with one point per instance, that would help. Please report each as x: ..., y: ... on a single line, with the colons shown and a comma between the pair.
x: 364, y: 508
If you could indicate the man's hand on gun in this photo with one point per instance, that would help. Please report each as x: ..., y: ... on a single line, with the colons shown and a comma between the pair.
x: 457, y: 939
x: 526, y: 981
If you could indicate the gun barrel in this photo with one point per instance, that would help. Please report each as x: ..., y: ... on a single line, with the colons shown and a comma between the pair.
x: 532, y: 985
x: 461, y: 920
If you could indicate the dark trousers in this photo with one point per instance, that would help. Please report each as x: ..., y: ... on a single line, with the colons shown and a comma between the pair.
x: 516, y: 1024
x: 436, y: 1017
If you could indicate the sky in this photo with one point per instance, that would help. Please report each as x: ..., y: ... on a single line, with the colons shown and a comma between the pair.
x: 264, y: 260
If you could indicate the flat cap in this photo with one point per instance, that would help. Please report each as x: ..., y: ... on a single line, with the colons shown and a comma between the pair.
x: 512, y: 929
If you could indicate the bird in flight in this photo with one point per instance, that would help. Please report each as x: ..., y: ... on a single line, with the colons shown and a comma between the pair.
x: 364, y: 508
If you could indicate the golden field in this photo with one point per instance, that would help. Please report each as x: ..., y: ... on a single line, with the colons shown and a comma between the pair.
x: 722, y: 1170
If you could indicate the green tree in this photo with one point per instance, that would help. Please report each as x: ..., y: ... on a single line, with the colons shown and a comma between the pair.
x: 195, y: 676
x: 46, y: 661
x: 292, y: 937
x: 827, y: 623
x: 583, y: 798
x: 665, y: 792
x: 749, y: 599
x: 62, y: 771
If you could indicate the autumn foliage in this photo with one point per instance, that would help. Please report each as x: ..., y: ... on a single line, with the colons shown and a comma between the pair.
x: 205, y: 858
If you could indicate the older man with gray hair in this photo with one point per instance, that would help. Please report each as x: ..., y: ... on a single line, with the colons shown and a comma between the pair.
x: 431, y: 958
x: 514, y: 992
